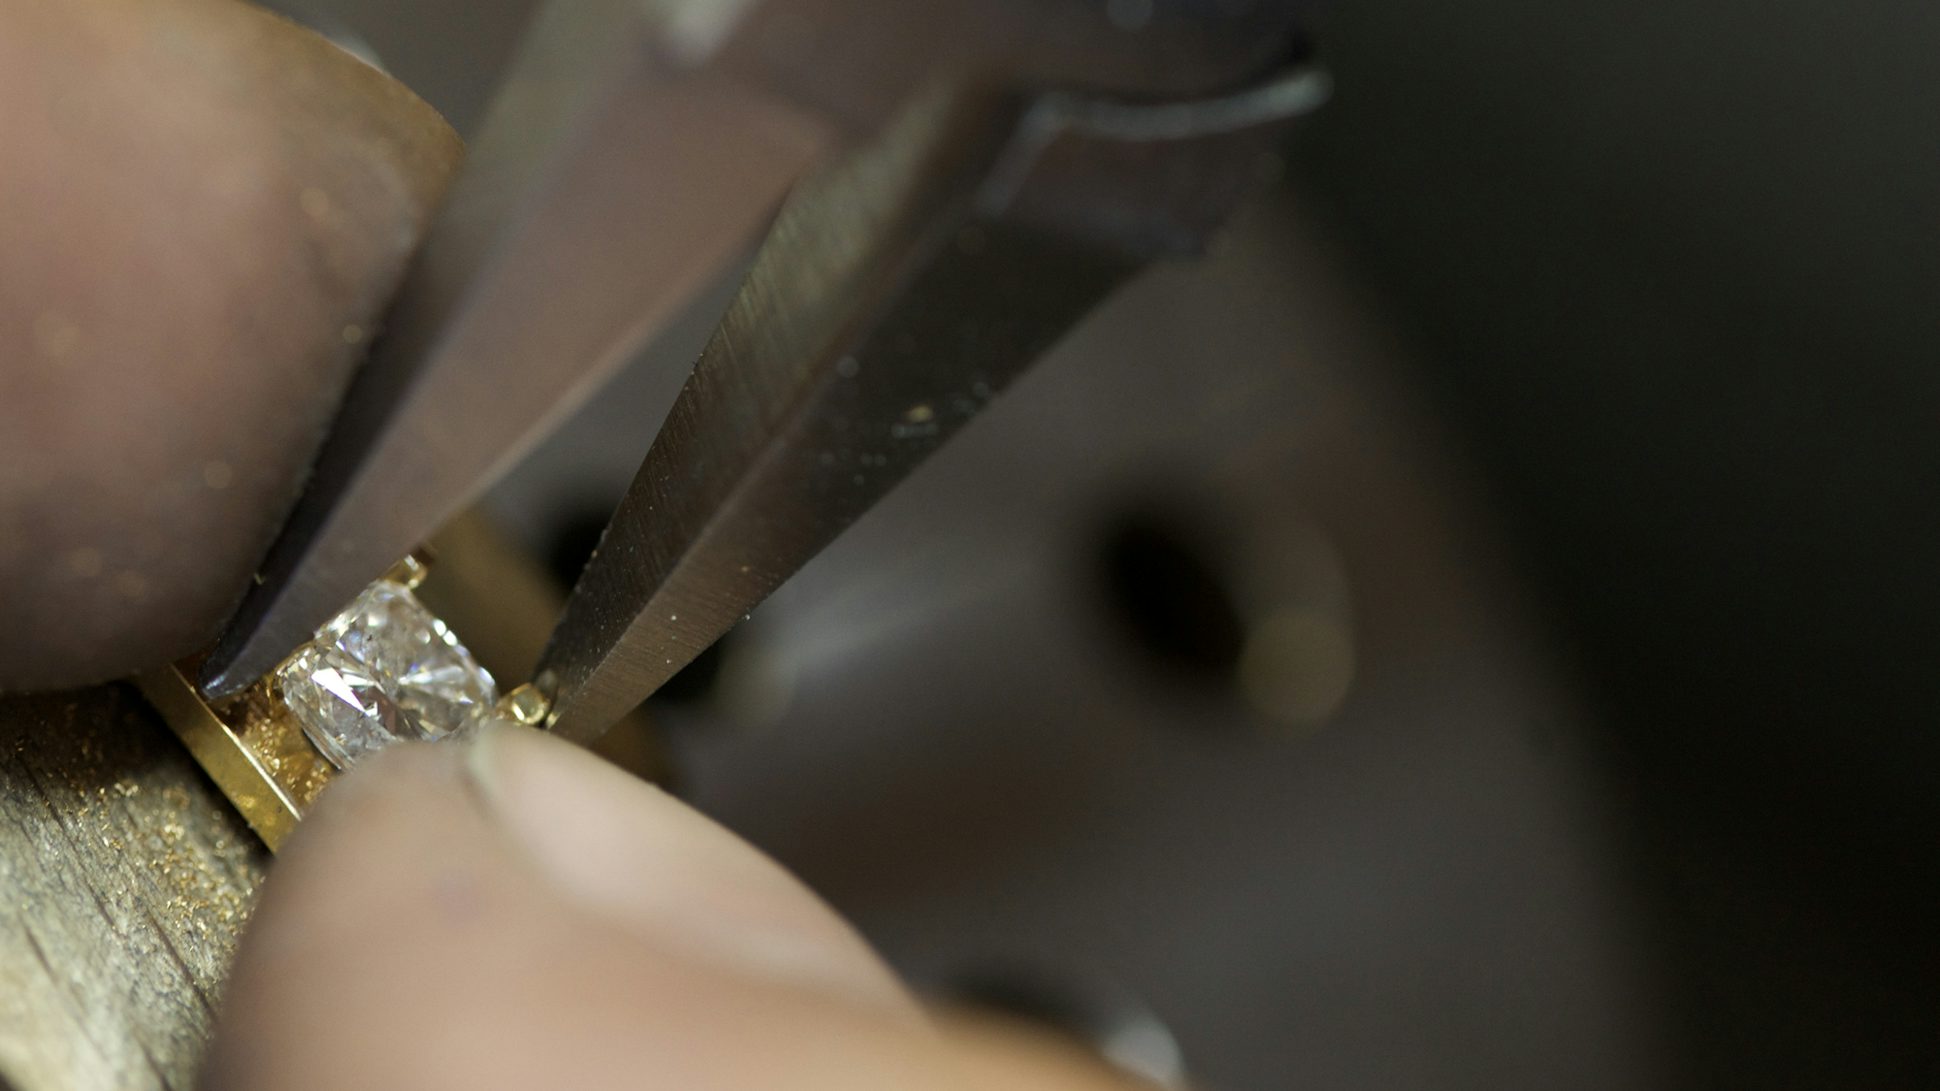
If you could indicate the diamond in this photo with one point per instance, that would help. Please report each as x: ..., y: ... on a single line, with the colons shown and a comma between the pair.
x: 383, y: 670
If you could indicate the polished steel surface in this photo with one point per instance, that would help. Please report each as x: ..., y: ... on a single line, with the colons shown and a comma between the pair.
x: 946, y: 728
x: 894, y: 299
x: 944, y: 725
x: 1654, y: 260
x: 604, y: 194
x: 629, y: 162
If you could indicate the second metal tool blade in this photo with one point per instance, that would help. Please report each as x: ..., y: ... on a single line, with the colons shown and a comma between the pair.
x: 895, y: 296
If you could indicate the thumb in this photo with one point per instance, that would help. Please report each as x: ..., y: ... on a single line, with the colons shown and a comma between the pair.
x: 515, y: 912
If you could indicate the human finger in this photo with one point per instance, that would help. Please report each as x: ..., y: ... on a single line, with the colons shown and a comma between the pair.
x: 521, y: 914
x: 203, y: 210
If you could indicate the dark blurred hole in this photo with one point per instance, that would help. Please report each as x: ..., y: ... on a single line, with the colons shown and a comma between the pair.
x: 572, y: 544
x: 1169, y: 599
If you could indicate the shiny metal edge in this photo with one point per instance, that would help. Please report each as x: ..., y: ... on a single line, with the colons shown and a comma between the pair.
x: 223, y: 754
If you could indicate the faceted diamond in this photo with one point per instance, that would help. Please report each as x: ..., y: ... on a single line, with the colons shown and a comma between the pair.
x: 385, y: 669
x: 341, y: 706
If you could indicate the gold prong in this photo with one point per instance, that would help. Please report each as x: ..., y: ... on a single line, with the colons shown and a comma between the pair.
x: 412, y: 569
x: 525, y: 705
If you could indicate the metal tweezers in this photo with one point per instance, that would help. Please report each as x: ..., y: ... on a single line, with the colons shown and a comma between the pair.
x: 932, y: 194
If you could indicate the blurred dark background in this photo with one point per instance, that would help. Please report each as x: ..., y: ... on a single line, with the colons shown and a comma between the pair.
x: 1476, y: 630
x: 1672, y: 273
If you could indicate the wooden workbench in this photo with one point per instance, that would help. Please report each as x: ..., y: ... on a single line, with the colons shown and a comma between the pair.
x: 124, y: 882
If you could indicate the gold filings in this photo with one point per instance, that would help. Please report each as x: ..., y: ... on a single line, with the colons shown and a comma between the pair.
x: 254, y: 745
x: 250, y: 745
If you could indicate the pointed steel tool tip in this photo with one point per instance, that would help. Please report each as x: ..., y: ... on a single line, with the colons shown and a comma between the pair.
x: 605, y: 176
x: 867, y: 334
x: 247, y: 650
x: 216, y: 685
x: 628, y: 166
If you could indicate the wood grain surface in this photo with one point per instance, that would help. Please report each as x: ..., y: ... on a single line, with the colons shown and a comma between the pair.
x: 125, y: 880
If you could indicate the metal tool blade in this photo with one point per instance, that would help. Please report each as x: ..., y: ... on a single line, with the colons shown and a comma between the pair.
x: 894, y: 298
x: 610, y: 188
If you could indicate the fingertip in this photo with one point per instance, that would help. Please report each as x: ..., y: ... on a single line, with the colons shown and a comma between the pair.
x: 625, y: 848
x: 515, y: 913
x: 204, y: 210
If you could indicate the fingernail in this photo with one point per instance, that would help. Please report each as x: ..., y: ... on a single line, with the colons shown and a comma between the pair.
x: 621, y: 846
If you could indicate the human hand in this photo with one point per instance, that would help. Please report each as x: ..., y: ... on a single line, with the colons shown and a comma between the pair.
x: 203, y: 209
x: 516, y: 913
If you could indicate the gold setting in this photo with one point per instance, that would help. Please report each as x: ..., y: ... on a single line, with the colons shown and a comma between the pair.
x: 251, y: 745
x: 486, y: 589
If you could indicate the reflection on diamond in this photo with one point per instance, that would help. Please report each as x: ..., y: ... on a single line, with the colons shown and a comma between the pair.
x: 383, y: 670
